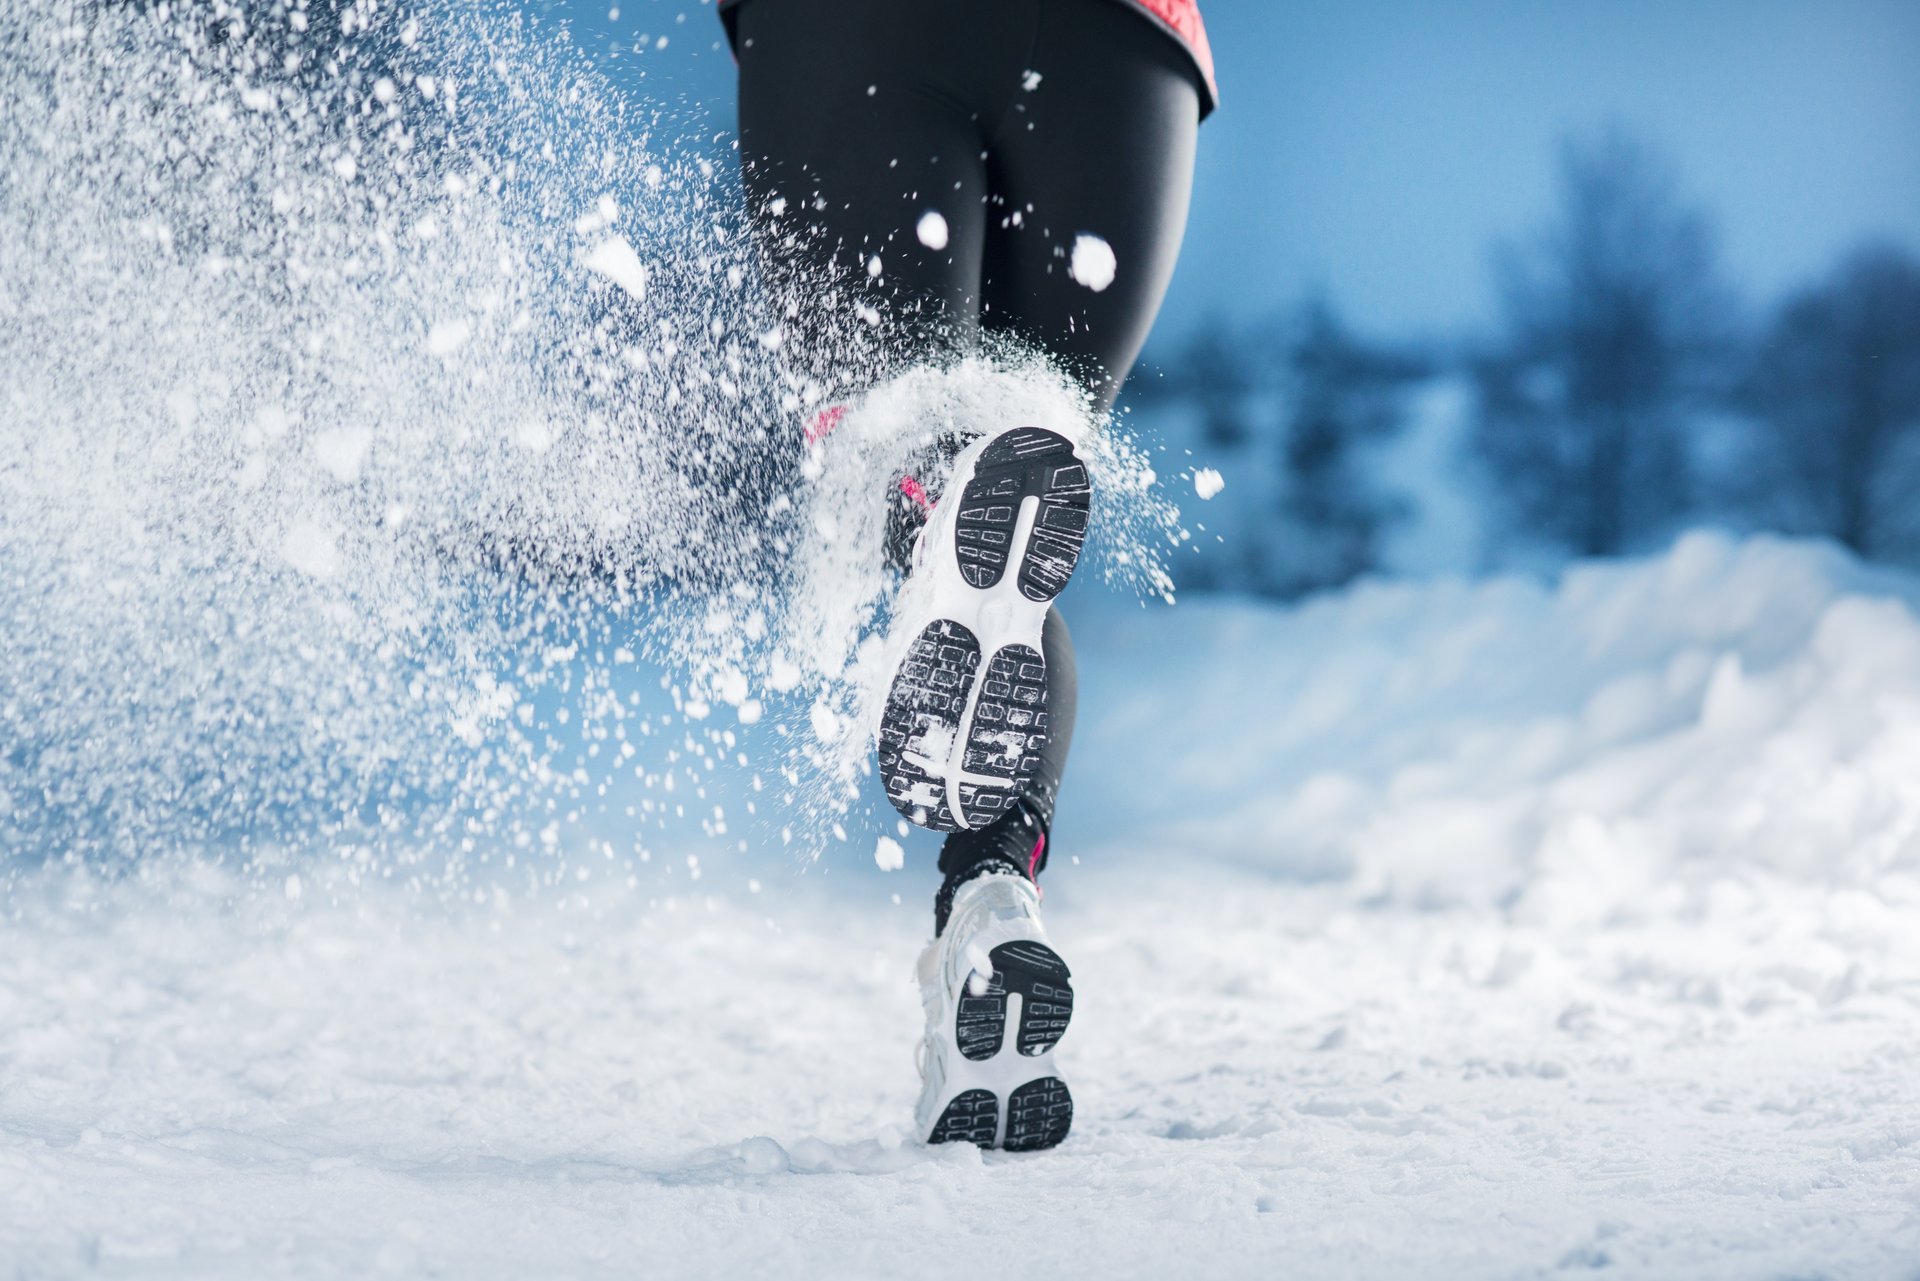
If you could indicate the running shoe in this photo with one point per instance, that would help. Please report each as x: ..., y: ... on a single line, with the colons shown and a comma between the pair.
x: 998, y: 999
x: 965, y: 718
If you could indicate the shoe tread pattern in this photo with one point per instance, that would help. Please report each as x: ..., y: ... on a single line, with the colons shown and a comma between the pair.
x: 1044, y: 983
x: 1046, y: 993
x: 1028, y: 462
x: 929, y: 691
x: 1039, y: 1114
x: 972, y: 1117
x: 980, y: 1021
x: 1009, y: 730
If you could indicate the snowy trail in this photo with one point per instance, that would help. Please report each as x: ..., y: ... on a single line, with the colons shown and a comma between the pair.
x: 1269, y: 1078
x: 1611, y: 966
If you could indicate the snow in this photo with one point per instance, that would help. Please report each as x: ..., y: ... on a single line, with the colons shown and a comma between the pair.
x: 373, y: 907
x: 605, y: 213
x: 342, y: 451
x: 932, y: 230
x: 1529, y: 929
x: 1207, y: 482
x: 310, y: 549
x: 616, y: 260
x: 1092, y: 263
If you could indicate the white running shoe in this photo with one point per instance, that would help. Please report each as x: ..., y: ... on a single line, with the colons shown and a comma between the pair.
x: 998, y: 999
x: 965, y: 720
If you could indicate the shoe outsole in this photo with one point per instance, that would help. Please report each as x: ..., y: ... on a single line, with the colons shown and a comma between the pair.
x: 1039, y: 1115
x: 922, y: 720
x: 973, y: 1117
x: 948, y: 710
x: 1042, y: 980
x: 1040, y: 1112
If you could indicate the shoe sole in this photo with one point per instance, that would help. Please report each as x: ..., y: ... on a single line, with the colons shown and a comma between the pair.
x: 965, y: 719
x: 1039, y: 1111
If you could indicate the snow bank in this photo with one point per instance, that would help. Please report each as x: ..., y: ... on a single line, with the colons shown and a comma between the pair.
x: 1570, y: 748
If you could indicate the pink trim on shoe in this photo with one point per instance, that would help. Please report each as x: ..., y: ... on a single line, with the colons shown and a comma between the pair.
x: 1033, y: 859
x: 916, y: 491
x: 824, y: 422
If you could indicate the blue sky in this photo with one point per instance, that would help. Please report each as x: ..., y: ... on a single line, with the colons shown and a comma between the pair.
x: 1375, y: 149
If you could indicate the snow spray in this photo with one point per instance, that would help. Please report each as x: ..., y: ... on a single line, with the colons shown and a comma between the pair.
x: 383, y: 397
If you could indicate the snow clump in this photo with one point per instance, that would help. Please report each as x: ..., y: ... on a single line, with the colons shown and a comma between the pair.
x: 1093, y: 263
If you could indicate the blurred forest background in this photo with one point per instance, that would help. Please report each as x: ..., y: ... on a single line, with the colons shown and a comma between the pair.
x: 1499, y: 284
x: 1624, y: 393
x: 1492, y: 284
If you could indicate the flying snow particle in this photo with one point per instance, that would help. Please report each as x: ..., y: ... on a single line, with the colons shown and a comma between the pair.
x: 873, y: 267
x: 182, y: 407
x: 888, y: 855
x: 826, y: 722
x: 448, y: 336
x: 615, y: 259
x: 1207, y: 482
x: 1093, y: 262
x: 272, y: 421
x: 932, y: 230
x: 347, y: 167
x: 293, y: 887
x: 1030, y: 81
x: 731, y: 686
x: 342, y: 451
x: 604, y: 214
x: 311, y: 550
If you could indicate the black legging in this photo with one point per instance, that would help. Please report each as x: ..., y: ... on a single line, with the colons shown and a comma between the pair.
x: 1023, y: 124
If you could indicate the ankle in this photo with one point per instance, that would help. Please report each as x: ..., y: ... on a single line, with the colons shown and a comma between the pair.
x: 943, y: 901
x: 1013, y: 845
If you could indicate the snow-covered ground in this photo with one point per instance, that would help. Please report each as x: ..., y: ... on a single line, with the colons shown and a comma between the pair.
x: 1440, y: 929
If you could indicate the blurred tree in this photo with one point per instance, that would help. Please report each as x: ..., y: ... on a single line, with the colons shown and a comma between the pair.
x: 1615, y: 325
x: 1835, y: 387
x: 1346, y: 396
x: 1218, y: 370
